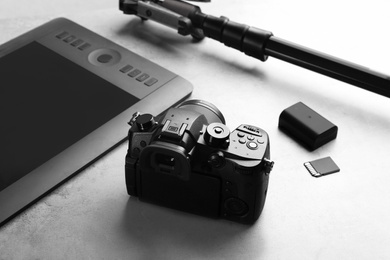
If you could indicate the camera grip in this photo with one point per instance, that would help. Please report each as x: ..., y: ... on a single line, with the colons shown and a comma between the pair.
x: 130, y: 176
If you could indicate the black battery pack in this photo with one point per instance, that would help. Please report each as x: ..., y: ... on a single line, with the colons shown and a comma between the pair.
x: 307, y: 126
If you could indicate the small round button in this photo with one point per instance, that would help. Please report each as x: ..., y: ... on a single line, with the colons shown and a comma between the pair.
x: 252, y: 145
x: 104, y: 58
x: 251, y: 137
x: 236, y: 206
x: 218, y: 130
x: 240, y: 134
x: 260, y: 141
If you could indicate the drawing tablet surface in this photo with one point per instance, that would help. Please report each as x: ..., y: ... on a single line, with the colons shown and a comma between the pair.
x: 66, y: 96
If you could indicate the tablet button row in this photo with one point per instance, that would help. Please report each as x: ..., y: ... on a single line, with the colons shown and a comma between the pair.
x: 143, y: 77
x: 73, y: 40
x: 81, y: 45
x: 134, y: 73
x: 150, y: 82
x: 62, y: 35
x: 138, y: 75
x: 126, y: 69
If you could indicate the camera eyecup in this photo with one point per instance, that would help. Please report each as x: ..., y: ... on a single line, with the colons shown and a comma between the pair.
x: 211, y: 112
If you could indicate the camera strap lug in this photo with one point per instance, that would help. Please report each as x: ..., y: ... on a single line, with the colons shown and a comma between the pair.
x: 134, y: 118
x: 268, y: 165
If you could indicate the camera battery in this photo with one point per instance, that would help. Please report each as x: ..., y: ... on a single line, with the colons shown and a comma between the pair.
x: 307, y: 126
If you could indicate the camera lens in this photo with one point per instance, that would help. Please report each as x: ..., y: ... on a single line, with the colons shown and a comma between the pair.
x: 211, y: 112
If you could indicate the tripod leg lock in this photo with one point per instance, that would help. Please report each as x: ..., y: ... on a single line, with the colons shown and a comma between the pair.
x: 250, y: 40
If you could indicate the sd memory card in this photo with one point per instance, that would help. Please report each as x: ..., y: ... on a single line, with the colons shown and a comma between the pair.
x: 321, y: 167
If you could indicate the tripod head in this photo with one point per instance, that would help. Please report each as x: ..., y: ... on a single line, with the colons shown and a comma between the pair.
x: 176, y: 14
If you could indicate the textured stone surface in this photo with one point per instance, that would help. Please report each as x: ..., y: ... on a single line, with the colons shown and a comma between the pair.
x: 341, y: 216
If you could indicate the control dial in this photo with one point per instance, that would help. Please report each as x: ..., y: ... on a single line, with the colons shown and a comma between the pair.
x: 217, y: 135
x: 217, y: 159
x: 145, y: 122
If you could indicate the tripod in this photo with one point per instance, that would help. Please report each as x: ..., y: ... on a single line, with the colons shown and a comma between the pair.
x: 188, y: 19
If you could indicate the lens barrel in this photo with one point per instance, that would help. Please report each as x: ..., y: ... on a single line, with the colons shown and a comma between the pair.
x: 211, y: 112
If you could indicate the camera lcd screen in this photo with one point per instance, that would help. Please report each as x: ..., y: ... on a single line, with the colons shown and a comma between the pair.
x: 45, y: 109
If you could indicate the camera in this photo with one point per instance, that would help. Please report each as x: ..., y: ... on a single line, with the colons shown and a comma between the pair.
x: 189, y: 160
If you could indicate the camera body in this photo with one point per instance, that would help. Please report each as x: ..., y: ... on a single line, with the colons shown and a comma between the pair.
x: 190, y: 161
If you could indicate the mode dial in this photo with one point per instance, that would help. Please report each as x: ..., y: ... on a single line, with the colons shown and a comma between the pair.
x: 217, y: 135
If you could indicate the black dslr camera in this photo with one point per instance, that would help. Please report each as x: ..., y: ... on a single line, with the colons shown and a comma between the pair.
x: 190, y: 161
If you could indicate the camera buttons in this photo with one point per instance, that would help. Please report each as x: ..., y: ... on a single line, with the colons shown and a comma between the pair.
x: 218, y: 130
x: 252, y: 145
x: 260, y: 141
x: 235, y: 206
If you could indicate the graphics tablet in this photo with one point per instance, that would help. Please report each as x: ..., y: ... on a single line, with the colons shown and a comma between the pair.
x: 66, y: 95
